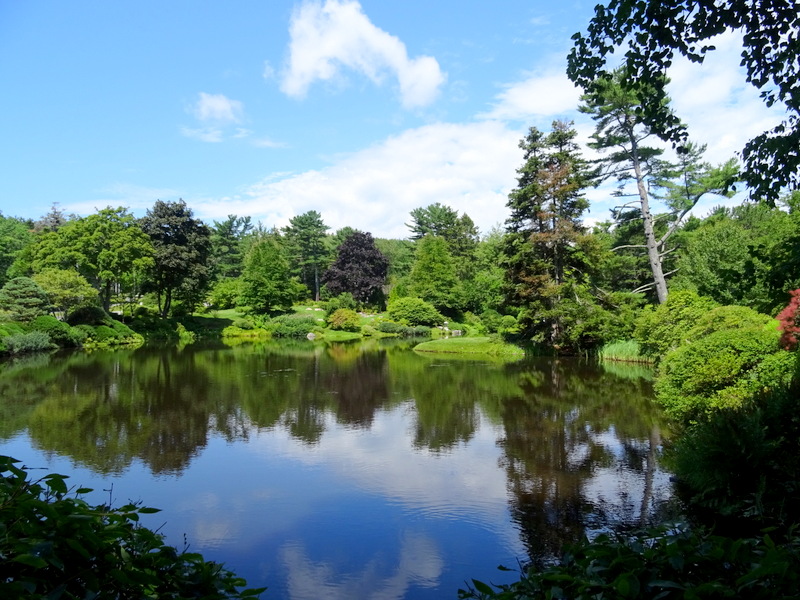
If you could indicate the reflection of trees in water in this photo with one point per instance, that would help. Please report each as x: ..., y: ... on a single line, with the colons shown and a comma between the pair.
x: 562, y: 430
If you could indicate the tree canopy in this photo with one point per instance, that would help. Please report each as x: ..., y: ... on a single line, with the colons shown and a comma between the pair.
x: 359, y: 268
x: 653, y: 32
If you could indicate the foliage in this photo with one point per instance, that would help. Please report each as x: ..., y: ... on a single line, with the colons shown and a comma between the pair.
x: 400, y: 254
x: 730, y: 317
x: 225, y: 293
x: 744, y: 466
x: 439, y: 220
x: 414, y: 311
x: 653, y: 32
x: 433, y: 276
x: 665, y: 563
x: 227, y: 246
x: 308, y: 253
x: 291, y: 325
x: 266, y: 282
x: 15, y: 235
x: 359, y: 269
x: 722, y: 370
x: 66, y: 289
x: 59, y: 332
x: 107, y: 248
x: 56, y: 545
x: 344, y: 300
x: 667, y: 326
x: 32, y: 341
x: 23, y: 299
x: 789, y: 319
x: 182, y: 252
x: 344, y: 319
x: 88, y: 315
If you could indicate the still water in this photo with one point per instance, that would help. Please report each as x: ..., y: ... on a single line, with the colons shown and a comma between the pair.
x: 347, y: 470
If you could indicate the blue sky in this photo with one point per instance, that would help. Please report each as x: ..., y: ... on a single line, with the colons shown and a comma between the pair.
x: 361, y: 111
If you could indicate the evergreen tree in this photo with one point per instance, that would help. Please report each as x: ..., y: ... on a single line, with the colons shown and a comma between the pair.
x: 182, y: 246
x: 227, y: 240
x: 267, y: 284
x: 433, y: 276
x: 306, y: 242
x: 360, y: 269
x: 15, y: 235
x: 23, y: 299
x: 542, y: 251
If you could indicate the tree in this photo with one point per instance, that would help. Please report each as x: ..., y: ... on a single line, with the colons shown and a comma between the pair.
x: 360, y: 269
x: 182, y: 246
x: 541, y: 249
x: 23, y: 299
x: 305, y: 238
x: 439, y: 220
x: 227, y: 239
x: 267, y: 284
x: 621, y: 130
x: 15, y: 235
x: 433, y: 276
x: 66, y: 289
x: 654, y: 31
x: 107, y: 248
x: 53, y: 220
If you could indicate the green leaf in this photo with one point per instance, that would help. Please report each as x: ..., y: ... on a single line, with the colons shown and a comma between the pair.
x: 31, y: 560
x: 483, y: 588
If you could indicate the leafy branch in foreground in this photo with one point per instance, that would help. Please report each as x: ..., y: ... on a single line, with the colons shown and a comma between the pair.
x: 54, y: 545
x: 663, y: 563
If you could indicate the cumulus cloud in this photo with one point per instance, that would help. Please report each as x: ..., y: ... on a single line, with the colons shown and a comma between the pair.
x: 536, y: 97
x: 470, y: 167
x: 327, y: 37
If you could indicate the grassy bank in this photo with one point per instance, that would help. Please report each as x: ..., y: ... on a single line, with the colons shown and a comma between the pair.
x: 473, y: 345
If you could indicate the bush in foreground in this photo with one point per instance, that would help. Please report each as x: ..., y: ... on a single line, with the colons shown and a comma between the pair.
x: 666, y: 563
x: 414, y: 311
x: 56, y: 545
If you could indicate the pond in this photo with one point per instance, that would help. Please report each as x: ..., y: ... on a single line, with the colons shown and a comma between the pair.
x: 361, y: 470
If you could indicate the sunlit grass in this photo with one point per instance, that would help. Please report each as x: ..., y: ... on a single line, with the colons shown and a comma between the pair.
x: 623, y: 351
x: 471, y: 345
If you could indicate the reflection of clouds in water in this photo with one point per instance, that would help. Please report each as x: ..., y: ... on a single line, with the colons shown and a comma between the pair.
x: 420, y: 563
x: 464, y: 483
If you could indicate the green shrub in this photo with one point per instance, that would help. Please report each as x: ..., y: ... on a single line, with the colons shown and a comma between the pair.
x: 56, y: 545
x: 33, y: 341
x: 421, y: 331
x: 88, y: 315
x: 103, y: 333
x: 243, y: 323
x: 508, y: 324
x: 392, y: 327
x: 291, y: 326
x: 343, y: 300
x: 344, y: 319
x: 664, y: 563
x: 414, y: 311
x: 720, y: 371
x: 60, y: 332
x: 730, y: 317
x: 23, y: 299
x: 664, y: 328
x: 745, y: 464
x: 225, y: 293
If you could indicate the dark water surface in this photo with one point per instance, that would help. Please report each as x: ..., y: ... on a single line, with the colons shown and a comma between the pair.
x: 349, y: 470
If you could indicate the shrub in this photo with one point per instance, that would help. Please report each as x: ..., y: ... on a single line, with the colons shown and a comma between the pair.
x: 508, y: 324
x: 103, y: 333
x: 344, y: 319
x: 343, y: 300
x: 88, y: 315
x: 720, y: 370
x: 392, y: 327
x: 291, y: 326
x: 33, y: 341
x: 60, y: 333
x: 789, y: 319
x: 225, y: 293
x: 414, y: 311
x: 730, y: 317
x: 23, y: 299
x: 661, y: 329
x: 243, y: 323
x: 667, y: 562
x: 55, y: 545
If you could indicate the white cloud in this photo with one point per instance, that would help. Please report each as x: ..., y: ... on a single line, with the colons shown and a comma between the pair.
x: 326, y: 37
x: 134, y: 197
x: 536, y: 97
x: 470, y: 167
x: 218, y: 108
x: 203, y: 134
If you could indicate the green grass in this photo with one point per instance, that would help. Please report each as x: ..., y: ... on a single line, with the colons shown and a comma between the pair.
x: 623, y: 351
x: 471, y: 345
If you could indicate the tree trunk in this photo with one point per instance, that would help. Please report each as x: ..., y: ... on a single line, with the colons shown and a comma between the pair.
x: 649, y: 231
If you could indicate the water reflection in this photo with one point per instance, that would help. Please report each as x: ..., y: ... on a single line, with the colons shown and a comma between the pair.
x: 360, y: 470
